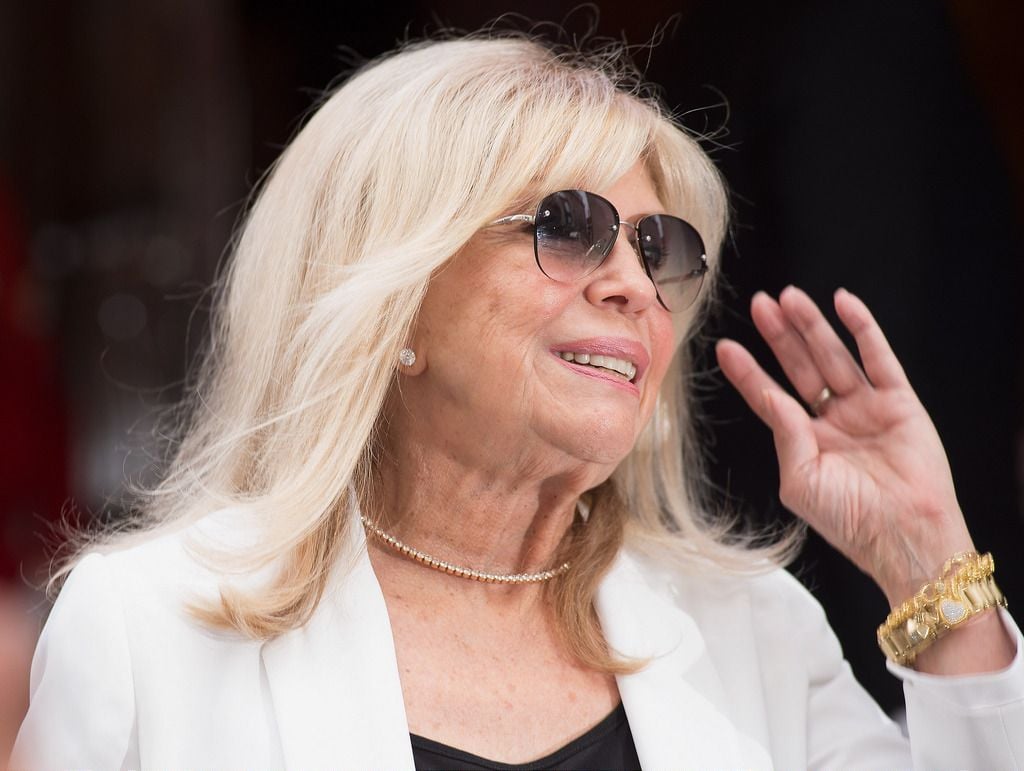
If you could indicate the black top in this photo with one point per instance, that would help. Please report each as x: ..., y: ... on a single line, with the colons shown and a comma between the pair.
x: 608, y: 745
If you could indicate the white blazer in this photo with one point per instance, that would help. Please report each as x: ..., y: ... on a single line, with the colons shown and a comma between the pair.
x: 744, y: 673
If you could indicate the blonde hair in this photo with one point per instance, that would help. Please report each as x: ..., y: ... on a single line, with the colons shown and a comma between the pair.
x: 389, y: 178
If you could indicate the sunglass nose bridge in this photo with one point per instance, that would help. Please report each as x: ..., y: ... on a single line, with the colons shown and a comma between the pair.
x: 633, y: 236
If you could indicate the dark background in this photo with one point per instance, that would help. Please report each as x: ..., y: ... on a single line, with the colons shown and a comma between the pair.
x: 876, y: 145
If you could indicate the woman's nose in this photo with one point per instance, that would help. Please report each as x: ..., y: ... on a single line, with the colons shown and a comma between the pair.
x: 621, y: 280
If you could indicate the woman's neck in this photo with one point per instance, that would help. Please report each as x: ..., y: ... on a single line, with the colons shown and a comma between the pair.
x: 494, y: 517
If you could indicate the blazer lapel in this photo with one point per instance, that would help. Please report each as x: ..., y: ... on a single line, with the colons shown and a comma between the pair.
x: 337, y: 698
x: 675, y: 704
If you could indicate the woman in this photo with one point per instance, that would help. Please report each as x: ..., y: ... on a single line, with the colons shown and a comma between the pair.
x: 438, y: 480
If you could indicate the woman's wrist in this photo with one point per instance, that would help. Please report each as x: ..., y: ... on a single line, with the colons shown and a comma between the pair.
x: 980, y: 646
x: 955, y: 600
x: 920, y: 555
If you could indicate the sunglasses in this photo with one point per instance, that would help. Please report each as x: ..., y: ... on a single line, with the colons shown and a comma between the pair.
x: 574, y: 232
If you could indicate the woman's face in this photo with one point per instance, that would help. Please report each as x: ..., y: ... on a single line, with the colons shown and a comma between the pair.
x: 494, y: 333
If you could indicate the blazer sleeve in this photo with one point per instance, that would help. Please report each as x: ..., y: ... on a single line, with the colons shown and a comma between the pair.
x: 82, y: 703
x: 954, y: 721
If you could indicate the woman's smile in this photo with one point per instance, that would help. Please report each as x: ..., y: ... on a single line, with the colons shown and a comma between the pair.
x: 618, y: 361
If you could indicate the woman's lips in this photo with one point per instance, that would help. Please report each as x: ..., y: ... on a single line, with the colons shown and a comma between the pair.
x: 620, y: 350
x: 618, y: 361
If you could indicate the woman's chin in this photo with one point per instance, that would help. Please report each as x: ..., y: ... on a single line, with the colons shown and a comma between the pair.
x: 603, y: 444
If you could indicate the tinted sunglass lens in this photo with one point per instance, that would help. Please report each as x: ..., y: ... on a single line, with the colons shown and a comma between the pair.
x: 674, y: 255
x: 575, y: 231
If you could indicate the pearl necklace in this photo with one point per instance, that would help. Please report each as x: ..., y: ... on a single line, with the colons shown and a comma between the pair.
x: 461, y: 572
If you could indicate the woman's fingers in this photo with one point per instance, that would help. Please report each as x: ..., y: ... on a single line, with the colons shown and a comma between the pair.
x: 882, y: 367
x: 833, y: 359
x: 788, y: 346
x: 746, y: 376
x: 795, y: 443
x: 810, y: 351
x: 791, y: 426
x: 752, y: 382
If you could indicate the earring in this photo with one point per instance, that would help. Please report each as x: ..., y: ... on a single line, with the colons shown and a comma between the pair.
x: 407, y: 357
x: 583, y: 510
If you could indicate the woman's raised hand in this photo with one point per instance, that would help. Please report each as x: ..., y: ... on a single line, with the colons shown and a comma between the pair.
x: 868, y: 472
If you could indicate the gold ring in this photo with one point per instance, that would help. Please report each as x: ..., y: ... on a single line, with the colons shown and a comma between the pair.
x: 818, y: 405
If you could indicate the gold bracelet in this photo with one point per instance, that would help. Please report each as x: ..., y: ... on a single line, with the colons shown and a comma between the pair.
x: 965, y: 589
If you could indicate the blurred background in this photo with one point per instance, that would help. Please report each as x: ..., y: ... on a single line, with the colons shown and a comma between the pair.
x: 871, y: 144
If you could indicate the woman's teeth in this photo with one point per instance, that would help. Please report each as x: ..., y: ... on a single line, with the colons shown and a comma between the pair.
x: 618, y: 366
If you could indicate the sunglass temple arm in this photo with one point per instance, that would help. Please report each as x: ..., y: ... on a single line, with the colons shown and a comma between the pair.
x: 513, y: 218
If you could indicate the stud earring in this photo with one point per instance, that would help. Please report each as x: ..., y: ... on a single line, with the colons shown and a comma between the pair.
x: 407, y: 357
